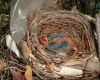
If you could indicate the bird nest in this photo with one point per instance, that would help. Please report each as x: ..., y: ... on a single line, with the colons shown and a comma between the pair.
x: 59, y: 38
x: 73, y: 26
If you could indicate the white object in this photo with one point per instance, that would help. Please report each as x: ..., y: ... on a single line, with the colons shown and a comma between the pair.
x: 12, y: 45
x: 68, y: 71
x: 90, y: 18
x: 93, y: 64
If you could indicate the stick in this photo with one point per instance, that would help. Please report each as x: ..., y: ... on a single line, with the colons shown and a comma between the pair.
x: 98, y: 33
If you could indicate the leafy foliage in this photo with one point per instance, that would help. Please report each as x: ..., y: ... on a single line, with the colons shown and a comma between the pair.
x: 4, y: 6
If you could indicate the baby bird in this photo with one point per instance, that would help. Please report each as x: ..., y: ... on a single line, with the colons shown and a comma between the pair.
x: 56, y: 42
x: 59, y: 43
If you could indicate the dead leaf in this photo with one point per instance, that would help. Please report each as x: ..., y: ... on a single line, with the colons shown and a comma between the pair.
x: 50, y: 67
x: 17, y: 75
x: 25, y: 49
x: 28, y: 73
x: 3, y: 64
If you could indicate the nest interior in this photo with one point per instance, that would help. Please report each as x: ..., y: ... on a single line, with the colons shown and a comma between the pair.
x: 73, y: 25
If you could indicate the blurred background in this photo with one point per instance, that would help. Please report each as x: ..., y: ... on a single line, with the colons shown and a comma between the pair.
x: 4, y: 15
x: 90, y: 7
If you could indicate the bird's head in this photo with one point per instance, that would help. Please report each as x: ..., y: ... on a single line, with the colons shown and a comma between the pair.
x: 43, y: 40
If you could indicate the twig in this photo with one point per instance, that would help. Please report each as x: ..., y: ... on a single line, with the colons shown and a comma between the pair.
x: 16, y: 64
x: 14, y: 68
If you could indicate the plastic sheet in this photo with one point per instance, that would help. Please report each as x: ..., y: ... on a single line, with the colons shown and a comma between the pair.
x: 20, y: 9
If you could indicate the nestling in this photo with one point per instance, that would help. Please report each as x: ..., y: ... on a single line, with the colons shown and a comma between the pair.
x: 58, y: 42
